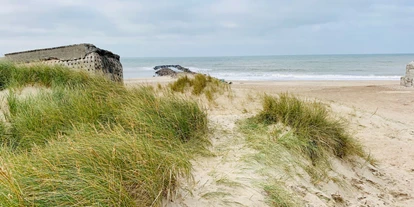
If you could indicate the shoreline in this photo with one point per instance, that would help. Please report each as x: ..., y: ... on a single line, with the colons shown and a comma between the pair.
x: 387, y: 97
x: 165, y: 79
x: 395, y: 78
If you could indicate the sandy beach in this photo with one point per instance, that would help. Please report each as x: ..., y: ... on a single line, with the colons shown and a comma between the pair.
x: 207, y: 103
x: 379, y: 115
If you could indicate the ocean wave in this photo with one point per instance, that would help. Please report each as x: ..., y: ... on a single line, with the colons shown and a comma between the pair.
x: 278, y: 76
x: 200, y: 70
x: 288, y: 70
x: 137, y: 69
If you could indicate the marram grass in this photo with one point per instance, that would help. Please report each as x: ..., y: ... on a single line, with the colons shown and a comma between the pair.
x: 278, y: 196
x: 199, y: 84
x: 12, y: 75
x: 86, y: 141
x: 293, y: 137
x: 316, y: 133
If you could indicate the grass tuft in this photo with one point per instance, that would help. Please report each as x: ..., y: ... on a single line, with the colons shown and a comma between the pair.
x: 294, y: 138
x: 317, y: 133
x: 278, y: 196
x: 180, y: 84
x: 200, y: 84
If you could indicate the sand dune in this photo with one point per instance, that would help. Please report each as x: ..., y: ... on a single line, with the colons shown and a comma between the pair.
x: 380, y: 114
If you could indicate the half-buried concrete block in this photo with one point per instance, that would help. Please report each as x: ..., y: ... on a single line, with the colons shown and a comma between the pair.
x: 407, y: 80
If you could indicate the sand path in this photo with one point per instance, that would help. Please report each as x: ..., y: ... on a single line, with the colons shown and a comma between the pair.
x: 223, y: 179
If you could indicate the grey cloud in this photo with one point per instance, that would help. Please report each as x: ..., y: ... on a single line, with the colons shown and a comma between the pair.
x: 219, y: 27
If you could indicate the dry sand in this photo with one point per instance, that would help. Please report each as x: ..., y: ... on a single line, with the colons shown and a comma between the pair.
x: 381, y: 116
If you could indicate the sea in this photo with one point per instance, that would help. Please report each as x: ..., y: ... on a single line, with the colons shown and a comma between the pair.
x: 283, y: 67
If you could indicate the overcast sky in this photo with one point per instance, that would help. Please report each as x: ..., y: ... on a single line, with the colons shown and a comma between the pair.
x: 142, y: 28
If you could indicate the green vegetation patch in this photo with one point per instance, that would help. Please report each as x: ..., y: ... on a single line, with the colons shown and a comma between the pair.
x: 200, y: 84
x: 317, y: 133
x: 87, y: 141
x: 12, y: 76
x: 296, y: 138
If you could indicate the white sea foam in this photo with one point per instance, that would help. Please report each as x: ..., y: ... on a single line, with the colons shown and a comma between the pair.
x: 278, y: 76
x: 200, y: 70
x: 137, y: 69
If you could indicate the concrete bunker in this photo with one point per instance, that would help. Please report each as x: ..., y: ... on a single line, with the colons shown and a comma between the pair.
x: 85, y: 57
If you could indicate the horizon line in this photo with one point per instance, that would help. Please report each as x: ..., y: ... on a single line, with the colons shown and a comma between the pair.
x: 334, y: 54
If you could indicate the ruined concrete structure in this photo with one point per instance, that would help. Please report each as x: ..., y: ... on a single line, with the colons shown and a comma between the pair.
x: 407, y: 80
x: 179, y: 67
x: 165, y: 70
x: 85, y: 57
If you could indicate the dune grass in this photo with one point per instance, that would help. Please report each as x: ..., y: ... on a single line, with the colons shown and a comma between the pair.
x: 83, y: 140
x: 2, y: 129
x: 296, y: 136
x: 181, y: 83
x: 317, y: 134
x: 199, y: 84
x: 277, y: 163
x: 12, y: 76
x: 278, y: 195
x: 306, y: 127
